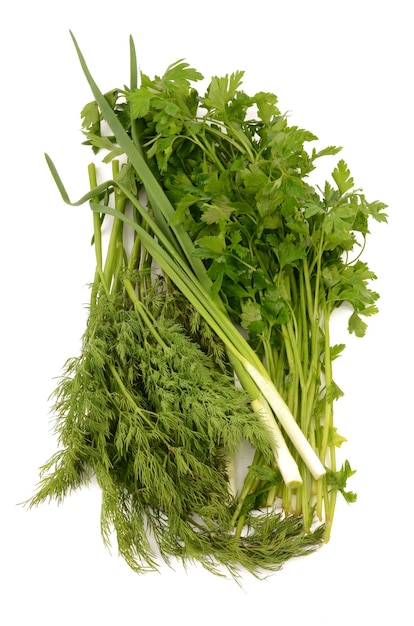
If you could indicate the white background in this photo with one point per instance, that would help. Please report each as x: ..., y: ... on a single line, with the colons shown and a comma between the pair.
x: 345, y: 71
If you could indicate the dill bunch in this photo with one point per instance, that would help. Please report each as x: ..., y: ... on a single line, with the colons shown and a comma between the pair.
x: 153, y: 418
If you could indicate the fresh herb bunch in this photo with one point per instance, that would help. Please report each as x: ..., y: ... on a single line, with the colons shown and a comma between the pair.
x: 236, y: 265
x: 282, y: 254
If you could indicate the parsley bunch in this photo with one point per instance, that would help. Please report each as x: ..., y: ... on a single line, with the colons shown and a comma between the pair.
x: 223, y: 261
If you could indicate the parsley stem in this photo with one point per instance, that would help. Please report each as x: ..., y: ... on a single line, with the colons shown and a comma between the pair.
x: 327, y: 422
x: 330, y: 499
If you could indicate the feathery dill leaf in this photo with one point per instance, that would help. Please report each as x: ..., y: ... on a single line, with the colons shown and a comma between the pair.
x: 154, y: 425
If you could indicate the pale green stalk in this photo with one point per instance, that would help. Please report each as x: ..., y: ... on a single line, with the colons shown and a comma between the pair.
x: 285, y: 461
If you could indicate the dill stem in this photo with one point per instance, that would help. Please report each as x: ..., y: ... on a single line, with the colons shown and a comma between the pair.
x: 135, y: 255
x: 128, y: 396
x: 249, y: 486
x: 142, y: 312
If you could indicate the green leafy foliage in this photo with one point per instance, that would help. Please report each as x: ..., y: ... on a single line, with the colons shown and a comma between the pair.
x: 342, y: 177
x: 277, y: 249
x: 221, y: 93
x: 153, y: 422
x: 150, y: 408
x: 339, y: 480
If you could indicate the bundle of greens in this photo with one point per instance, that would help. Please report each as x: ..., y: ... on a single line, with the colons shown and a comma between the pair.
x: 209, y: 325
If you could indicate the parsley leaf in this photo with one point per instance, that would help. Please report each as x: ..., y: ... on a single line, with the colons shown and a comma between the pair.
x: 342, y: 177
